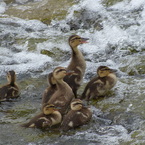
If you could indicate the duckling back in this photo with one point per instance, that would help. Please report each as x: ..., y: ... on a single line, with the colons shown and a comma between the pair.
x: 49, y: 91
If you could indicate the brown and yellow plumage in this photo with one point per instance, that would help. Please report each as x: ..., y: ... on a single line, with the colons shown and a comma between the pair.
x: 100, y: 84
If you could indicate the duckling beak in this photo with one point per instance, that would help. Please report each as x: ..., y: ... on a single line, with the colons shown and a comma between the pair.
x: 113, y: 70
x: 57, y: 108
x: 69, y: 72
x: 84, y: 40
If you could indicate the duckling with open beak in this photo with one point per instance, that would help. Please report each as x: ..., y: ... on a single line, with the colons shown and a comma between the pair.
x: 10, y: 90
x: 100, y: 84
x: 77, y: 63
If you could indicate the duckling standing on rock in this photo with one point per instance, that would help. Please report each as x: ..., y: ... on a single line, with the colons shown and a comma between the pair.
x: 63, y: 95
x: 77, y: 64
x: 49, y: 91
x: 77, y: 116
x: 100, y: 84
x: 10, y: 90
x: 48, y: 118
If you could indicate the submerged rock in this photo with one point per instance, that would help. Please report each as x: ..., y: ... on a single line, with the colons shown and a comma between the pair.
x: 110, y: 2
x: 45, y: 10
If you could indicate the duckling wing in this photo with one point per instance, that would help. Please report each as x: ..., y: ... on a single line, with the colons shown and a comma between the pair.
x: 62, y: 101
x: 73, y: 81
x: 75, y: 119
x: 3, y: 93
x: 39, y: 121
x: 68, y: 121
x: 8, y: 91
x: 92, y: 88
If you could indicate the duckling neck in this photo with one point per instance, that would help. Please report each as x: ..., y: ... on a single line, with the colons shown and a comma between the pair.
x: 75, y: 51
x: 61, y: 84
x: 77, y: 57
x: 12, y: 83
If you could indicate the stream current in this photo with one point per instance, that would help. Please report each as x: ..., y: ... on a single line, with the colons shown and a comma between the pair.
x: 116, y: 38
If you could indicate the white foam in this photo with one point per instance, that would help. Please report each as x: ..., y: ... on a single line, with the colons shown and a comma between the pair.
x: 2, y: 7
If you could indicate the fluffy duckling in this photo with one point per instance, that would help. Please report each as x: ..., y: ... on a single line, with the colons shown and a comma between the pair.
x: 63, y: 95
x: 77, y: 63
x: 10, y: 90
x: 77, y: 116
x: 100, y: 84
x: 49, y: 91
x: 48, y: 118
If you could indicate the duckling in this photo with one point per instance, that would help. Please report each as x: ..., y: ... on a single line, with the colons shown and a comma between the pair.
x: 100, y: 84
x: 10, y: 90
x: 77, y: 116
x: 48, y: 118
x: 49, y: 91
x: 77, y: 63
x: 63, y: 95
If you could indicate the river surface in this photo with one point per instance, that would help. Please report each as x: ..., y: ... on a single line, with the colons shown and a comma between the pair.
x: 116, y: 35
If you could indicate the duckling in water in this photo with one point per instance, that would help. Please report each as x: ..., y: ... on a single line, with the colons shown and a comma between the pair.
x: 100, y: 84
x: 77, y: 116
x: 63, y: 95
x: 77, y: 63
x: 10, y: 90
x: 48, y: 118
x: 49, y: 91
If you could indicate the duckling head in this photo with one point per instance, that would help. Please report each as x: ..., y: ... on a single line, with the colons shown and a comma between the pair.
x: 76, y: 40
x: 11, y: 77
x: 60, y: 72
x: 104, y: 71
x: 49, y: 109
x: 76, y: 104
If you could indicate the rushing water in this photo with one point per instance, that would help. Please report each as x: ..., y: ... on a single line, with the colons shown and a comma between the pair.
x: 116, y: 36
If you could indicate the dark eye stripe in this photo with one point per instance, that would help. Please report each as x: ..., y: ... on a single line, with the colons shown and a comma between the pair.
x: 105, y: 69
x: 50, y: 107
x: 74, y: 39
x: 77, y: 104
x: 60, y: 70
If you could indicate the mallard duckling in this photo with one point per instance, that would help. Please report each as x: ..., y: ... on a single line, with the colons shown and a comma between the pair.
x: 48, y: 118
x: 100, y: 84
x: 49, y: 91
x: 77, y: 116
x: 10, y: 90
x: 77, y: 63
x: 63, y: 95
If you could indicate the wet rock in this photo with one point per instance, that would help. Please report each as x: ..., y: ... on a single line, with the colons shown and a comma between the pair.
x: 110, y: 2
x: 129, y: 120
x: 85, y: 19
x: 46, y: 52
x: 134, y: 66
